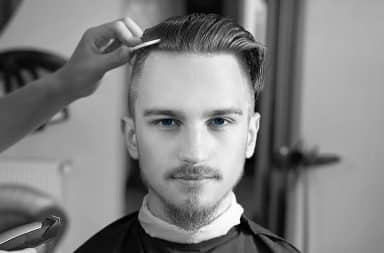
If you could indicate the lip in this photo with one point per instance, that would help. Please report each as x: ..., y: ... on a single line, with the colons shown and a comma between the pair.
x: 192, y: 178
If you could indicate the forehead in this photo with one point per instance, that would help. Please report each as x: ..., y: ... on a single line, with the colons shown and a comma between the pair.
x: 191, y: 82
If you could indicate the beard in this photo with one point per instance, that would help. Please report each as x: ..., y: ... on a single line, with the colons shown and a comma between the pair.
x: 190, y: 215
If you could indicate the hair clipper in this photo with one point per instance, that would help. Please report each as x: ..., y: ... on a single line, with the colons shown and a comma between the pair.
x: 31, y: 235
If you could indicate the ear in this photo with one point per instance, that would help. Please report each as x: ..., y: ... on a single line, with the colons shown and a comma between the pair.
x: 129, y: 131
x: 253, y: 128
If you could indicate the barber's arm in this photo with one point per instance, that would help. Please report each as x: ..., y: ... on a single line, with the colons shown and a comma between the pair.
x: 20, y: 251
x: 25, y: 109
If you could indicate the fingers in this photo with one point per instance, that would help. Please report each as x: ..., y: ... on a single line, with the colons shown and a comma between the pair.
x: 133, y: 27
x: 118, y: 57
x: 124, y: 34
x: 100, y: 49
x: 110, y: 46
x: 110, y: 36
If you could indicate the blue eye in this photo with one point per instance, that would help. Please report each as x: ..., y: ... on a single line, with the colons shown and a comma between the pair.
x: 218, y: 122
x: 167, y: 122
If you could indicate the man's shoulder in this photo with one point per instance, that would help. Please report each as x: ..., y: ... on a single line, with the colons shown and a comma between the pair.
x: 110, y: 236
x: 273, y: 241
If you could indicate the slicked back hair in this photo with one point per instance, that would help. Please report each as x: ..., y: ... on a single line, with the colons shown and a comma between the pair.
x: 202, y: 34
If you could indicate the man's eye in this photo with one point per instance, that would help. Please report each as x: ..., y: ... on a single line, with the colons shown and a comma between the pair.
x: 219, y: 122
x: 167, y: 123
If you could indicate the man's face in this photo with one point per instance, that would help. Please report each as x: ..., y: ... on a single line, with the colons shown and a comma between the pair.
x: 193, y: 127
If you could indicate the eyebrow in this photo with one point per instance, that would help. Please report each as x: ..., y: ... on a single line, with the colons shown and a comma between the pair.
x: 179, y: 114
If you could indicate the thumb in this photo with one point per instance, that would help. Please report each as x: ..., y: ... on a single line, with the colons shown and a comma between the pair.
x: 118, y: 57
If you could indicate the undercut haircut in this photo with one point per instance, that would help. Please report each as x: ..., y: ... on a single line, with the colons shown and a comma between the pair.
x: 202, y: 34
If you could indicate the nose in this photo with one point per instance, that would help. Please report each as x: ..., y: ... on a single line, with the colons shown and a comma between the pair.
x: 194, y: 146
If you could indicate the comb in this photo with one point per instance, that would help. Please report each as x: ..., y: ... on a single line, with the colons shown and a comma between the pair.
x: 145, y: 44
x: 111, y: 44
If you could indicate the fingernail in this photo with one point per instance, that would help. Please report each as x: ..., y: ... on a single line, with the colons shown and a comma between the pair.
x: 104, y: 48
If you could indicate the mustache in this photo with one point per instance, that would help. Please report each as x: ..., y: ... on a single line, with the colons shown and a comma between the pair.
x: 193, y: 172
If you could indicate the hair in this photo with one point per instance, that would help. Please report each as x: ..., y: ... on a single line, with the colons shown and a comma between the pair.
x: 202, y: 34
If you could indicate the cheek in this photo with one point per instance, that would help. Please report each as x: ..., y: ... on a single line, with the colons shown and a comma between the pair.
x: 155, y: 153
x: 232, y: 152
x: 234, y: 142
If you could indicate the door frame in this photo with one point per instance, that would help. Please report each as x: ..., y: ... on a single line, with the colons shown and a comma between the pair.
x: 280, y: 109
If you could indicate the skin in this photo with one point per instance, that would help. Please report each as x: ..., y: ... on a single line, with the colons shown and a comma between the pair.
x: 192, y: 131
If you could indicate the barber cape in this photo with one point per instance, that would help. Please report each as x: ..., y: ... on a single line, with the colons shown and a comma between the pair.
x: 143, y: 232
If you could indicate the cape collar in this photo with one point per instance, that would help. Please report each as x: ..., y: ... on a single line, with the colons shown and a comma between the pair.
x: 220, y: 226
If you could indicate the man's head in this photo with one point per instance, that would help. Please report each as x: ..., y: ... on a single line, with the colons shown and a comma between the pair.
x: 203, y: 34
x: 192, y: 120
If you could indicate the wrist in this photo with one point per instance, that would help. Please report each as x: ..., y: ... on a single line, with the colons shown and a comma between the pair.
x: 57, y: 88
x: 73, y: 85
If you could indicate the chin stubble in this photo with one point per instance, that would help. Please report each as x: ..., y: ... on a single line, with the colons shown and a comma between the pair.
x: 191, y: 216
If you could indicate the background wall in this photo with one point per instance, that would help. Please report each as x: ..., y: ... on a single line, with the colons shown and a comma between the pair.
x: 342, y: 113
x: 91, y: 138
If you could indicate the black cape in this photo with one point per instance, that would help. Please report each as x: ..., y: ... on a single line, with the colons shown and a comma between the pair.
x: 127, y: 235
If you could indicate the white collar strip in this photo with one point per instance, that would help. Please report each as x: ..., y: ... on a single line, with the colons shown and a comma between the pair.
x: 159, y: 228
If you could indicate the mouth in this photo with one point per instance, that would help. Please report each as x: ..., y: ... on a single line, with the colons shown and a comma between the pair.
x: 193, y: 178
x: 193, y: 175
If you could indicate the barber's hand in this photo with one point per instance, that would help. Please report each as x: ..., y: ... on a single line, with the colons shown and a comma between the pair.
x: 91, y: 60
x: 20, y: 251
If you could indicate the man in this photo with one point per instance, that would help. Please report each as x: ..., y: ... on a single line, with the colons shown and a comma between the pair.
x: 191, y: 125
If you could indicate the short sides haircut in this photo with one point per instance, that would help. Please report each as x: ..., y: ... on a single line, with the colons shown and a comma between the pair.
x: 202, y: 34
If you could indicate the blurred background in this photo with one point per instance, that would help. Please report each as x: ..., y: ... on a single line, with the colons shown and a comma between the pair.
x: 316, y: 178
